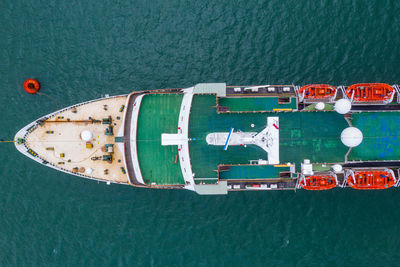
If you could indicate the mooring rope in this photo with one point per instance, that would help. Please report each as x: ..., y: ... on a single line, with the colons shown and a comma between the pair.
x: 7, y: 141
x: 51, y: 98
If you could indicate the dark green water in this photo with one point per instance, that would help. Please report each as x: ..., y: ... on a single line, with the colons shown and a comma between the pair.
x: 80, y: 50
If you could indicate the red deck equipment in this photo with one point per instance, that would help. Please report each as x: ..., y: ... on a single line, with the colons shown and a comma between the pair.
x: 371, y: 179
x: 317, y: 91
x: 318, y: 182
x: 370, y: 92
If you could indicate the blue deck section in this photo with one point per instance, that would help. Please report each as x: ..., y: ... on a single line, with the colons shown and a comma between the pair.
x: 243, y: 172
x: 261, y: 103
x: 381, y: 131
x: 227, y: 139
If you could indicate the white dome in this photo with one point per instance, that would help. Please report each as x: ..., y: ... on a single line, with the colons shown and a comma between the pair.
x: 89, y: 171
x: 351, y: 137
x: 320, y: 106
x: 343, y: 106
x: 337, y: 168
x: 86, y: 135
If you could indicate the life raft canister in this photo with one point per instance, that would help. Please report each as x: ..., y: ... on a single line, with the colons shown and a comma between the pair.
x: 31, y: 86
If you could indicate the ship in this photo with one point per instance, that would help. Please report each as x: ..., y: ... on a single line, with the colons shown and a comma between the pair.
x: 212, y: 138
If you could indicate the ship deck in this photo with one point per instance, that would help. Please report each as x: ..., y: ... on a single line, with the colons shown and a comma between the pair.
x: 159, y: 114
x: 315, y: 135
x: 60, y: 134
x: 300, y: 137
x: 253, y: 172
x: 265, y: 103
x: 381, y: 133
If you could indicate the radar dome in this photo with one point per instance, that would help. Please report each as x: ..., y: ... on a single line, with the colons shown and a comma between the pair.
x: 351, y: 137
x: 89, y: 171
x: 343, y: 106
x: 86, y: 135
x: 320, y: 106
x: 337, y: 168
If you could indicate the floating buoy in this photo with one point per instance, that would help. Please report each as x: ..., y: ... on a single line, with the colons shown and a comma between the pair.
x: 31, y: 86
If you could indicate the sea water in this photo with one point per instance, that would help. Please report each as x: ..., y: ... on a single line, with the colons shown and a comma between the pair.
x: 81, y: 50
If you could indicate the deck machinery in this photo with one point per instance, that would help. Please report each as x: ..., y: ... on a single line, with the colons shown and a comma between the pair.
x: 212, y: 138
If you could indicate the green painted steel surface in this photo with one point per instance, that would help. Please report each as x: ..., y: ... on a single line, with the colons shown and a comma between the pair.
x: 311, y: 135
x: 303, y: 135
x: 253, y: 172
x: 255, y: 103
x: 158, y: 114
x: 381, y: 131
x: 203, y: 120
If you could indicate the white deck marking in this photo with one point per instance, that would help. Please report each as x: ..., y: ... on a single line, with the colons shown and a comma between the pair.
x: 267, y: 139
x: 183, y: 128
x: 134, y: 121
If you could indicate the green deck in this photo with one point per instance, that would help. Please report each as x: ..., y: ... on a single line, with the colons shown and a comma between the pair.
x: 253, y: 172
x: 159, y: 114
x: 303, y: 135
x: 381, y: 131
x: 255, y: 103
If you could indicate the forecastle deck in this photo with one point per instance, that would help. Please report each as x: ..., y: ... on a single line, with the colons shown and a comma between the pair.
x: 55, y: 140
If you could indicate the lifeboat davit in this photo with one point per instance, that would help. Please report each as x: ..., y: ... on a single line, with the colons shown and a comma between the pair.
x: 370, y: 92
x: 318, y: 182
x: 317, y: 91
x: 371, y: 179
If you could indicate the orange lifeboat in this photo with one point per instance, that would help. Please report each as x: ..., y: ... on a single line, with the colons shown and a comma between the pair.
x: 319, y: 182
x: 371, y: 179
x: 370, y: 92
x: 317, y: 91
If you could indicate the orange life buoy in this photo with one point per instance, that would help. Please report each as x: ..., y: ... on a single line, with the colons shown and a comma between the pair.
x: 31, y: 86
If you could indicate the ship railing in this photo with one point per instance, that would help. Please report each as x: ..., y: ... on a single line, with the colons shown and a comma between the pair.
x: 343, y: 89
x: 397, y: 89
x: 302, y: 177
x: 297, y: 184
x: 347, y: 173
x: 397, y: 184
x: 296, y: 90
x: 394, y: 176
x: 335, y: 176
x: 390, y: 100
